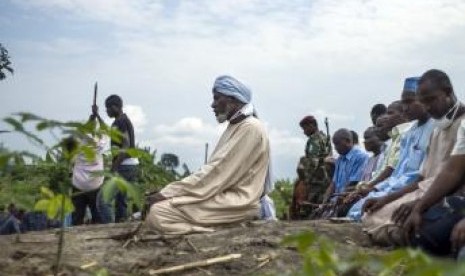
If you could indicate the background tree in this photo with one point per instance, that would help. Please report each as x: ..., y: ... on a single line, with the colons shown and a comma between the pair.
x: 5, y: 63
x: 170, y: 162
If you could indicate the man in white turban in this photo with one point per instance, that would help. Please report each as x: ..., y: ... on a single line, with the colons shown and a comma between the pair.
x: 232, y: 186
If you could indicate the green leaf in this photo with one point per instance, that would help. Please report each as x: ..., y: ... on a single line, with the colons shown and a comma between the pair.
x: 53, y: 208
x: 25, y: 117
x: 42, y: 205
x: 88, y: 152
x: 136, y: 153
x: 42, y: 125
x: 102, y: 272
x: 46, y: 192
x: 68, y: 207
x: 14, y: 123
x: 109, y: 190
x: 48, y: 157
x: 4, y: 159
x: 121, y: 184
x: 303, y: 240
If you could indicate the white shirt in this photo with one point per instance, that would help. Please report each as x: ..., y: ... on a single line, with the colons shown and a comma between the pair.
x: 84, y: 172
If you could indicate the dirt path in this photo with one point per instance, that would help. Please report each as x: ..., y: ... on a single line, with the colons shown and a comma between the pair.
x: 258, y: 243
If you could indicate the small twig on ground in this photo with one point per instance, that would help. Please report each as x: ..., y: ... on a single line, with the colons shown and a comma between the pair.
x: 204, y: 271
x: 89, y: 265
x: 222, y: 259
x: 263, y: 261
x: 262, y: 264
x: 189, y: 242
x: 127, y: 243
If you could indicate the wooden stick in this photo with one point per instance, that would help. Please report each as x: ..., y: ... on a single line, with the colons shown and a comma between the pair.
x: 217, y: 260
x: 127, y: 243
x: 89, y: 265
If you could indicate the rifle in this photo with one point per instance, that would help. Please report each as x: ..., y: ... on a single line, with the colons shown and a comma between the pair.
x: 95, y: 93
x: 328, y: 136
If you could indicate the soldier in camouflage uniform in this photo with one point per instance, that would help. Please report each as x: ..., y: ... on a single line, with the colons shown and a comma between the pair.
x: 313, y: 177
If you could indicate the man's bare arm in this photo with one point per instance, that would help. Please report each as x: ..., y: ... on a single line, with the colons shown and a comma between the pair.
x: 122, y: 155
x: 387, y: 172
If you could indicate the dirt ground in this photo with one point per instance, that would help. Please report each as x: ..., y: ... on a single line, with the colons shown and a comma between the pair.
x: 90, y: 248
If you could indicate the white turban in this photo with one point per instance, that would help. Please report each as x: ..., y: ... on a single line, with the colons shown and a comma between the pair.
x: 229, y: 86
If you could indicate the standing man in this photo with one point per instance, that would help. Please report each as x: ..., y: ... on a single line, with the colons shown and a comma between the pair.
x: 230, y: 186
x: 122, y: 163
x: 313, y: 178
x: 85, y: 181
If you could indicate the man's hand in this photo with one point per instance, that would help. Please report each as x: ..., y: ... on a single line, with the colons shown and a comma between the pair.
x: 401, y: 214
x: 154, y: 198
x: 413, y: 222
x: 151, y: 199
x: 373, y: 204
x: 351, y: 197
x: 457, y: 237
x: 95, y: 110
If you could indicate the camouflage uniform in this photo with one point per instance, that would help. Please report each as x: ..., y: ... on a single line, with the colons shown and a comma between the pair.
x: 315, y: 175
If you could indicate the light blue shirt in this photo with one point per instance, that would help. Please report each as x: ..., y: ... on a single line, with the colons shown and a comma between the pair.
x: 349, y: 168
x: 413, y: 148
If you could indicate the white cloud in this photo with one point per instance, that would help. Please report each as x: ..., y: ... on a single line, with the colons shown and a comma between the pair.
x: 328, y: 58
x: 187, y: 138
x: 137, y: 117
x: 284, y: 144
x: 187, y: 132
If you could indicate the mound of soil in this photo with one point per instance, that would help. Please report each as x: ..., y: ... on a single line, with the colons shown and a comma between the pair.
x: 115, y: 248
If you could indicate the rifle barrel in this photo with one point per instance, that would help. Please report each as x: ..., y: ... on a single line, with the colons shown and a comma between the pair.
x: 95, y: 93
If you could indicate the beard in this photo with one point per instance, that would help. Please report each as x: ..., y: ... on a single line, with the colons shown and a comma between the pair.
x: 221, y: 118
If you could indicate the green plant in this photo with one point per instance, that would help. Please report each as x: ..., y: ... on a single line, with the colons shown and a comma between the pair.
x: 5, y: 63
x: 282, y: 197
x: 56, y: 201
x: 319, y: 256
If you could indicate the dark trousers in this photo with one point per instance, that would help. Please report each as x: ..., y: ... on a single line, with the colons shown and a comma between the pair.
x: 9, y: 224
x: 129, y: 173
x: 438, y: 223
x: 83, y: 200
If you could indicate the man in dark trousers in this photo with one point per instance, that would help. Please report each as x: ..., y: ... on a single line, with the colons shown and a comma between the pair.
x: 122, y: 163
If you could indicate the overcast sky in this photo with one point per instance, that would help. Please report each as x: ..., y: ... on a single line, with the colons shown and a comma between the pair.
x: 326, y: 58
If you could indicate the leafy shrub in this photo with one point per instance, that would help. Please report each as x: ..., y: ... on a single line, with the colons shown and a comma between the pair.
x: 320, y: 258
x: 282, y: 197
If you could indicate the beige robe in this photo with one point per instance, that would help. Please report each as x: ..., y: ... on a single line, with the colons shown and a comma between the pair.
x: 379, y: 224
x: 225, y: 190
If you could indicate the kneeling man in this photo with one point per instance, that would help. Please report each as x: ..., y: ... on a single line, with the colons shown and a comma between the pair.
x: 228, y: 188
